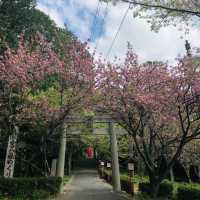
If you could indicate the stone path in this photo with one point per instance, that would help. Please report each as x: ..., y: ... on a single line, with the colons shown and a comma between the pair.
x: 86, y: 185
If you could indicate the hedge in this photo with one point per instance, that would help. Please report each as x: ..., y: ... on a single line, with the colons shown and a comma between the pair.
x: 29, y: 187
x: 188, y: 191
x: 165, y: 190
x: 166, y: 187
x: 125, y: 183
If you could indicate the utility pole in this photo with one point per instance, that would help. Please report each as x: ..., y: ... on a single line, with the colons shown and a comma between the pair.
x: 188, y: 48
x: 115, y: 159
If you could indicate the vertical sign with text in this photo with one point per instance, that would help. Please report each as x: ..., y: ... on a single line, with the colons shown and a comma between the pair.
x: 10, y: 155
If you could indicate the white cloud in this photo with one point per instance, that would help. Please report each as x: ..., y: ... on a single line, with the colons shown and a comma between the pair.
x: 164, y: 45
x: 62, y: 11
x: 88, y: 4
x: 53, y: 13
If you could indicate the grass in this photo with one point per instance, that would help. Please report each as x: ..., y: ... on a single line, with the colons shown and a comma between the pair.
x: 66, y: 179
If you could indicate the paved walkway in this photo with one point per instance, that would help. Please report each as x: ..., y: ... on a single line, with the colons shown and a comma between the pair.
x: 86, y: 185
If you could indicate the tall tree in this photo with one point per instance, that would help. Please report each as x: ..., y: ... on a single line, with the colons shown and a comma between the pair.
x: 158, y: 105
x: 25, y: 73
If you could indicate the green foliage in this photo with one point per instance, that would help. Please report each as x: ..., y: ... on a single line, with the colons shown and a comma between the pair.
x: 66, y: 179
x: 14, y: 17
x: 136, y: 179
x: 22, y: 16
x: 51, y: 94
x: 188, y: 191
x: 33, y: 188
x: 165, y: 190
x: 101, y: 143
x: 41, y: 194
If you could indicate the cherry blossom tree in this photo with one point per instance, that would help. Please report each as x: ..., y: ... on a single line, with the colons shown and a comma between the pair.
x: 25, y: 76
x: 157, y: 104
x: 21, y: 73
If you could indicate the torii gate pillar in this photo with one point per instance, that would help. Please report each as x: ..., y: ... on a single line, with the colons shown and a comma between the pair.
x: 115, y: 159
x: 61, y: 158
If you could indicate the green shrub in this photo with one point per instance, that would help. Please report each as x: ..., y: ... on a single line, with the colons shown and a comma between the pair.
x: 165, y: 190
x: 40, y: 194
x: 188, y: 191
x: 28, y: 187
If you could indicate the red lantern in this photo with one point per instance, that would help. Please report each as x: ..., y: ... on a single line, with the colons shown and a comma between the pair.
x: 90, y: 152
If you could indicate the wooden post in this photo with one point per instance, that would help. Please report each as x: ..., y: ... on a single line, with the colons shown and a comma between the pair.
x: 115, y: 159
x: 131, y: 175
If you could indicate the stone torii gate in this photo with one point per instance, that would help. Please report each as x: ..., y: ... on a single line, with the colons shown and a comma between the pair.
x: 111, y: 130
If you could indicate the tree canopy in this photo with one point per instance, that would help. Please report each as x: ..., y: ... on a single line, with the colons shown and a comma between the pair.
x: 157, y: 104
x: 17, y: 17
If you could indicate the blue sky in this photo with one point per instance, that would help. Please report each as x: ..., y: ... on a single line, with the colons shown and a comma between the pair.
x: 74, y: 15
x: 78, y: 15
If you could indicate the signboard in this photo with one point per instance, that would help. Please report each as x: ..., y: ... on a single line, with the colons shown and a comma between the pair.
x: 130, y: 166
x: 10, y: 156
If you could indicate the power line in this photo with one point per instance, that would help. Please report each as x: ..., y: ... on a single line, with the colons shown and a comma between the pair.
x: 118, y: 31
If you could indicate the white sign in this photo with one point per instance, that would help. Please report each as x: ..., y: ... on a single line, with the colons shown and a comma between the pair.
x: 10, y: 156
x: 131, y: 166
x: 108, y: 165
x: 102, y: 163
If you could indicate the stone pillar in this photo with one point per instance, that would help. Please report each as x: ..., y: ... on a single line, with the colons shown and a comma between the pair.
x: 61, y: 156
x: 115, y: 159
x: 53, y: 167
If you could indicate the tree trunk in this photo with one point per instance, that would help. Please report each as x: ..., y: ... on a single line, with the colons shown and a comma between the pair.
x: 197, y: 172
x: 140, y: 167
x: 187, y: 171
x: 155, y: 186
